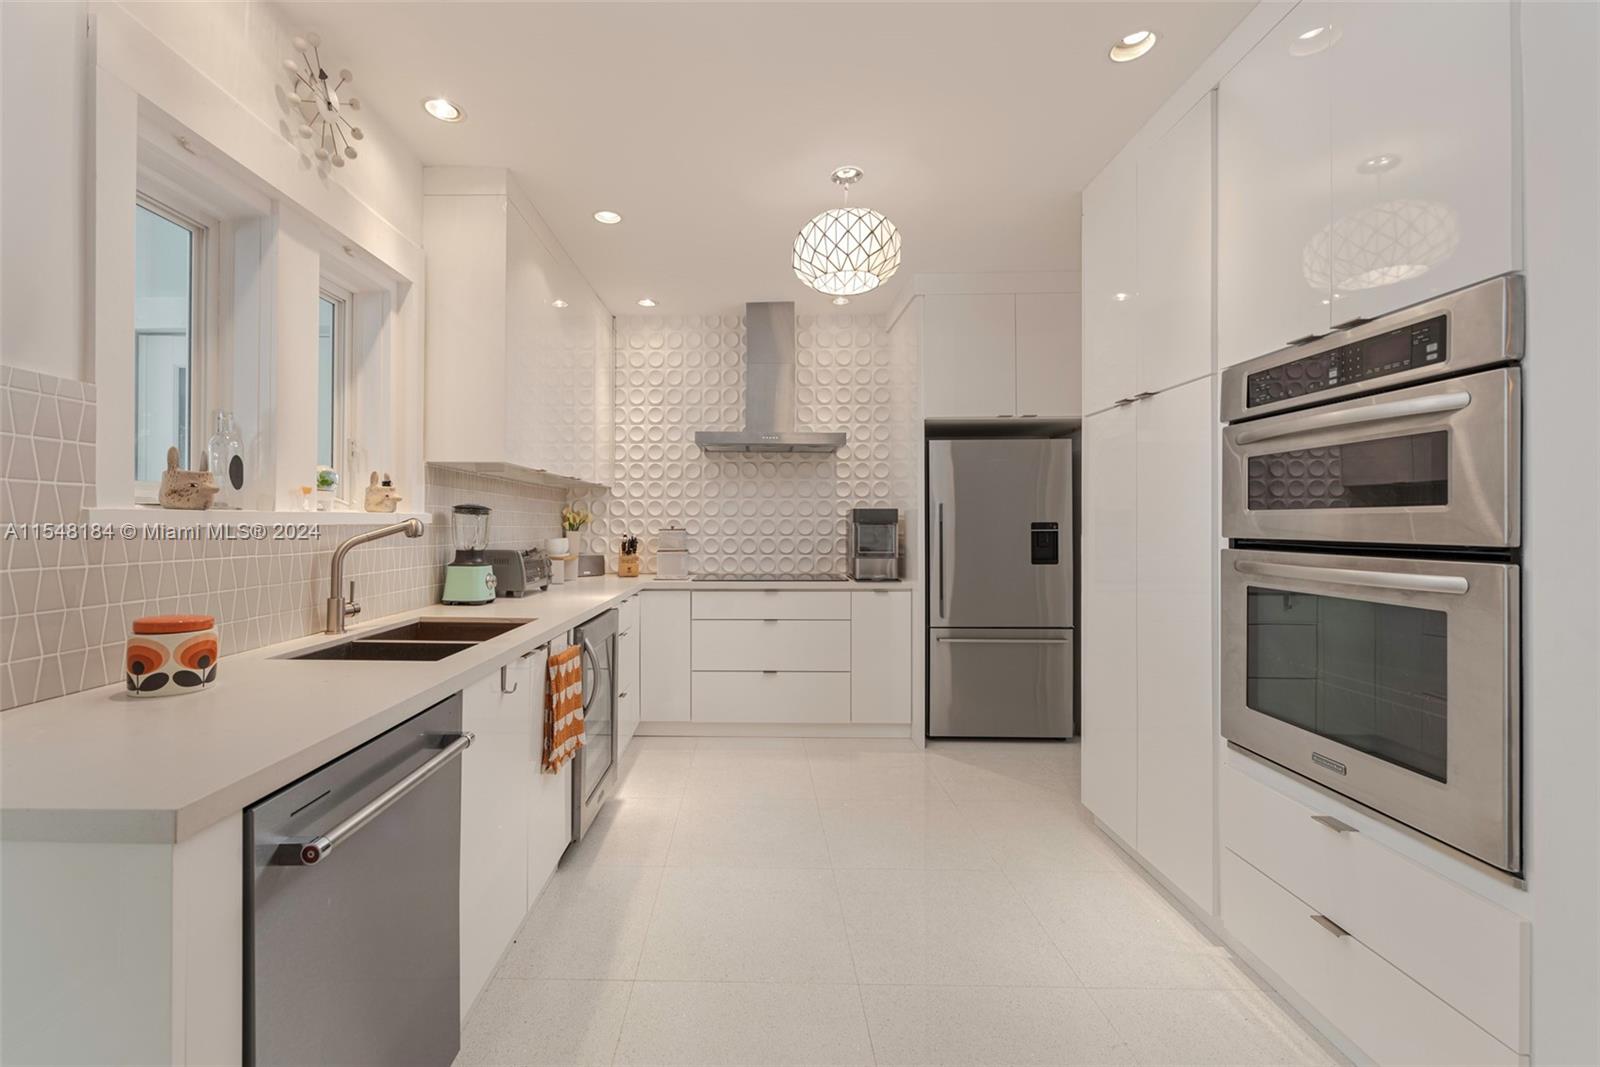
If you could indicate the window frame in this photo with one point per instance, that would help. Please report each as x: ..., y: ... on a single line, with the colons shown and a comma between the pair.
x: 343, y: 405
x: 167, y: 201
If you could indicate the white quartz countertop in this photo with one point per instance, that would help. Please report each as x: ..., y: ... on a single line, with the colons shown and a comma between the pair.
x: 101, y: 766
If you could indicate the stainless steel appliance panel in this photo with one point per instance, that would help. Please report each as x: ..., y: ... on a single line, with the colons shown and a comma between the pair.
x: 354, y: 958
x: 1434, y: 464
x: 594, y: 772
x: 1483, y: 325
x: 1000, y: 530
x: 1392, y: 681
x: 1000, y: 683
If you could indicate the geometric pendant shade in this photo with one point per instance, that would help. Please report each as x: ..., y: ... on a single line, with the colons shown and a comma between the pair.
x: 846, y: 251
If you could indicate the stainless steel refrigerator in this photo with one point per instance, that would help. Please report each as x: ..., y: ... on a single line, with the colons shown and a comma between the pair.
x: 1000, y: 576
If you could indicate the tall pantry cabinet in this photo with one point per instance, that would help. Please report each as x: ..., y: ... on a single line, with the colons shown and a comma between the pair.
x: 1149, y: 503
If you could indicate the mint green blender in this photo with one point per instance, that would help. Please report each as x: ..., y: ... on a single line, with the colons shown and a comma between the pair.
x: 469, y: 577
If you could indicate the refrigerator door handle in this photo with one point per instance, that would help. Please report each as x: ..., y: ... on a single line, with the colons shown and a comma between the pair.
x: 941, y: 559
x: 1002, y: 640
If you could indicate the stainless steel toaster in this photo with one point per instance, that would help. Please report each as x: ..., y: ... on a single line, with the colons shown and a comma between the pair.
x: 519, y: 573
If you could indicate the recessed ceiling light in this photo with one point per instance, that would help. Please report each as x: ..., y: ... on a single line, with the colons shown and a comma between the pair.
x: 558, y: 303
x: 647, y: 303
x: 1378, y: 163
x: 1316, y: 39
x: 1133, y: 46
x: 847, y: 175
x: 1119, y: 297
x: 1314, y: 31
x: 841, y: 301
x: 443, y: 110
x: 610, y: 218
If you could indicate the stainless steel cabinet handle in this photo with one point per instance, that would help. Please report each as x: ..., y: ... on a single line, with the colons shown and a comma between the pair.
x: 1451, y: 584
x: 503, y: 688
x: 1307, y: 339
x: 1395, y: 409
x: 320, y: 847
x: 1329, y: 925
x: 941, y: 559
x: 1350, y: 324
x: 588, y: 689
x: 623, y: 633
x: 1001, y: 640
x: 1338, y: 826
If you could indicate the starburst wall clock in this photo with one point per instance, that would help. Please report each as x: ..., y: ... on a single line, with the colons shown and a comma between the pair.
x: 322, y: 110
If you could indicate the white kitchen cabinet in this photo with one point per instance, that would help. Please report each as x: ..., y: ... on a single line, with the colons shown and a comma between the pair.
x: 1109, y: 629
x: 495, y: 774
x: 772, y: 696
x: 1175, y: 621
x: 514, y: 384
x: 969, y: 355
x: 1173, y: 311
x: 1274, y: 185
x: 771, y: 644
x: 1423, y: 152
x: 1049, y: 343
x: 1110, y: 284
x: 664, y: 656
x: 880, y: 656
x: 628, y: 631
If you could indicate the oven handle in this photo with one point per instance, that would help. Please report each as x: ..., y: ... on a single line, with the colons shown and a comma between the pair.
x: 1325, y: 420
x: 1451, y: 584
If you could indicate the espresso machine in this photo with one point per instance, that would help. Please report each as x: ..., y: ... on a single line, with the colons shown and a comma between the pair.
x: 469, y: 576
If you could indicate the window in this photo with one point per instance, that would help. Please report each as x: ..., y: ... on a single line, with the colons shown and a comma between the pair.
x: 333, y: 376
x: 169, y: 251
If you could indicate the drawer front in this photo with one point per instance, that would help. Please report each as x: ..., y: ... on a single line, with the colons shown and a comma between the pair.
x: 1392, y: 1018
x: 777, y: 645
x: 775, y: 696
x: 771, y: 604
x: 1470, y: 952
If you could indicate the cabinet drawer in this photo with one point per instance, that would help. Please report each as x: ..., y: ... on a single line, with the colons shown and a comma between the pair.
x: 771, y: 604
x: 775, y: 696
x: 771, y: 645
x: 1470, y: 952
x: 1391, y: 1017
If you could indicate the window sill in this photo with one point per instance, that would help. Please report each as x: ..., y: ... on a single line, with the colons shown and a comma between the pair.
x: 150, y: 513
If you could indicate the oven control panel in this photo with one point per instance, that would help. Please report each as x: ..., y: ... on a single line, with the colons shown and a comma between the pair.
x: 1419, y: 345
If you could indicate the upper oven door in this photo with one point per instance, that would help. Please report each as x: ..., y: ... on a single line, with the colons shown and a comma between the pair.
x: 1435, y: 464
x: 1391, y: 681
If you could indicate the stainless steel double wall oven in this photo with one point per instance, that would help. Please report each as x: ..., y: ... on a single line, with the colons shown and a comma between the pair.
x: 1371, y: 495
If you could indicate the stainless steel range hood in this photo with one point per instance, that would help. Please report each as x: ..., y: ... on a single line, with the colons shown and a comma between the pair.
x: 768, y: 390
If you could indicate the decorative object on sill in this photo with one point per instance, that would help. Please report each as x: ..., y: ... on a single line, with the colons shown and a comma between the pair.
x: 185, y: 490
x: 327, y: 486
x: 628, y: 562
x: 573, y: 520
x: 381, y: 495
x: 847, y: 250
x: 225, y: 454
x: 316, y: 98
x: 306, y: 503
x: 169, y: 654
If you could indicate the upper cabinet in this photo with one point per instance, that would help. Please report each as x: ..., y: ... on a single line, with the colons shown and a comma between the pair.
x: 1361, y: 168
x: 519, y: 351
x: 1000, y: 355
x: 1147, y: 266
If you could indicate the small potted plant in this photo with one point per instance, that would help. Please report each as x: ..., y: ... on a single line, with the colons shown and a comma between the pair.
x: 628, y: 562
x: 573, y: 520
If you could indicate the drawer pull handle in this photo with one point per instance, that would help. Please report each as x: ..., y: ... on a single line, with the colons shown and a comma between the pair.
x: 1338, y: 826
x: 769, y: 620
x: 769, y: 672
x: 1329, y: 925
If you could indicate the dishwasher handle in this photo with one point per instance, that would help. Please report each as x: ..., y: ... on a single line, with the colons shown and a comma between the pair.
x: 320, y: 847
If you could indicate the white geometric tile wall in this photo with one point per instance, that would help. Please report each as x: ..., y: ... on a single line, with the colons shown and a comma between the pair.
x: 765, y: 513
x: 65, y: 606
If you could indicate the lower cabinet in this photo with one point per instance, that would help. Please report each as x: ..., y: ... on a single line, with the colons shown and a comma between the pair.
x: 768, y: 656
x: 1149, y: 550
x: 496, y: 771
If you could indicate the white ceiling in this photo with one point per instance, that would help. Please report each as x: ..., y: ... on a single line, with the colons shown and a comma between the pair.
x: 713, y: 127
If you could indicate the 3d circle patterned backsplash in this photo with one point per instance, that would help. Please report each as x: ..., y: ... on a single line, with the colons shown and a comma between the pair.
x: 769, y: 513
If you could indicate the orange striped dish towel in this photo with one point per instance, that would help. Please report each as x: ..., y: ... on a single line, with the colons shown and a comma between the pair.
x: 563, y: 713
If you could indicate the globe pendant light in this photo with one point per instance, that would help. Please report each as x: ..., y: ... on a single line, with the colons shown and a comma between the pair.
x: 847, y: 250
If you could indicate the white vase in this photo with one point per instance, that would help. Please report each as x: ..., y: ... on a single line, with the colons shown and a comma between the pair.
x: 558, y: 546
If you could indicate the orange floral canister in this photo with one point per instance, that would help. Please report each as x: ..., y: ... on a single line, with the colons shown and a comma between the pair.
x: 169, y: 654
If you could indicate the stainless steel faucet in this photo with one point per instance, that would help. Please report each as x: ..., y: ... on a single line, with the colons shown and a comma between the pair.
x: 339, y: 608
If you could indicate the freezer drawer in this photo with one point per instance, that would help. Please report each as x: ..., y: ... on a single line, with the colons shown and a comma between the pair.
x: 1000, y: 683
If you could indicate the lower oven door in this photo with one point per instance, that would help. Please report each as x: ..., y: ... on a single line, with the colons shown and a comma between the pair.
x: 1392, y: 681
x: 1435, y: 464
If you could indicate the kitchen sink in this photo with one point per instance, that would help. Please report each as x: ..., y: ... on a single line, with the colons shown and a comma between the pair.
x: 469, y: 630
x: 388, y: 650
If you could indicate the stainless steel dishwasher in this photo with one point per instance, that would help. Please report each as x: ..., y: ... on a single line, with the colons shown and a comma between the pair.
x: 594, y: 772
x: 352, y: 906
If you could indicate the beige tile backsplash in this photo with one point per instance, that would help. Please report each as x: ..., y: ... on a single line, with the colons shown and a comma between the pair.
x: 65, y: 605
